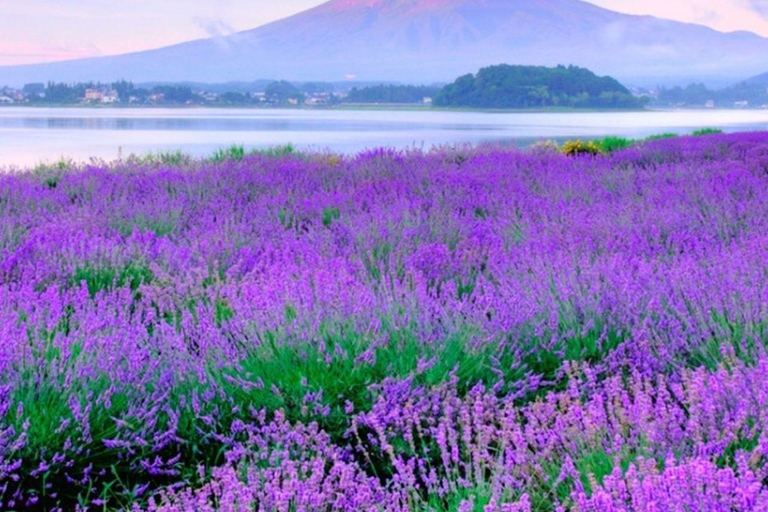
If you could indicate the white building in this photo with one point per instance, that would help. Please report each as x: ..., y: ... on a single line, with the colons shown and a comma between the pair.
x: 110, y: 97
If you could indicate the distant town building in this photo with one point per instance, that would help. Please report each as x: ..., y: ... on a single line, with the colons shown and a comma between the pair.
x: 6, y: 100
x: 741, y: 104
x: 209, y: 96
x: 105, y: 96
x: 93, y: 96
x: 110, y: 96
x: 427, y: 101
x: 711, y: 104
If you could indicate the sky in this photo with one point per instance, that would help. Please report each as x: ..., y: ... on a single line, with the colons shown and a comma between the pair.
x: 49, y: 30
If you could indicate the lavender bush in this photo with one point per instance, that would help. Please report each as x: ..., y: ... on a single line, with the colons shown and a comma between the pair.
x: 454, y: 330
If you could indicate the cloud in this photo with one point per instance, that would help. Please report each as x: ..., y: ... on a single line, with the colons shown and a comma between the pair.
x: 725, y: 15
x: 214, y: 27
x: 24, y: 52
x: 760, y: 6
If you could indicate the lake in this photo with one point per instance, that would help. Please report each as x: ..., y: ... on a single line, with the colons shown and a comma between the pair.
x: 31, y: 135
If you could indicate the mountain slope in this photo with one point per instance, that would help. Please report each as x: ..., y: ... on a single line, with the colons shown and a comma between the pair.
x: 434, y: 40
x: 759, y: 80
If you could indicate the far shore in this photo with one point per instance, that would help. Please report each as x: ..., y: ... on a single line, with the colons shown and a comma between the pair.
x: 391, y: 107
x: 395, y: 107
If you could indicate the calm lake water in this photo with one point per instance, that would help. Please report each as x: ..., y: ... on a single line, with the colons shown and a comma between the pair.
x: 30, y: 135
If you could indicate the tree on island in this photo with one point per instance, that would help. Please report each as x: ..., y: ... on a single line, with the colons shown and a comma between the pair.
x: 283, y: 92
x: 506, y: 86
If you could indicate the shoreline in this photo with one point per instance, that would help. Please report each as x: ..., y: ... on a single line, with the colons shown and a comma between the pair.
x: 356, y: 107
x: 361, y: 107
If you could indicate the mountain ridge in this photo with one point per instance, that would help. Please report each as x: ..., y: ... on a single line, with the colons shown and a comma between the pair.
x: 759, y: 79
x: 428, y: 40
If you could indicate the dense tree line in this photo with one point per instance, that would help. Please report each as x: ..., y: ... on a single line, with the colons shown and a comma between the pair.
x: 502, y: 86
x: 754, y: 92
x: 506, y: 86
x: 283, y: 92
x: 392, y: 94
x: 66, y: 94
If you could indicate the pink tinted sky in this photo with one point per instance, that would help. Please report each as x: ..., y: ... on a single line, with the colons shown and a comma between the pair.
x: 47, y: 30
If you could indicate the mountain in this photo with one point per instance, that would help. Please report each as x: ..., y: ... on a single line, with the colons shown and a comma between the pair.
x: 761, y: 80
x: 434, y: 40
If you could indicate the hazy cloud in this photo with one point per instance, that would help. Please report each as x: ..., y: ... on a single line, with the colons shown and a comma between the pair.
x: 725, y: 15
x: 760, y: 6
x: 215, y: 28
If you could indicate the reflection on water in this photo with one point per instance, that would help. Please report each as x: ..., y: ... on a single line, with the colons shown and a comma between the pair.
x: 31, y: 135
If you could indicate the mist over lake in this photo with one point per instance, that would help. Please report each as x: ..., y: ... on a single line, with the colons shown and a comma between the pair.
x: 32, y: 135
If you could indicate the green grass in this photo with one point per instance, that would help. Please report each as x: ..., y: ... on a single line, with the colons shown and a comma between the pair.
x: 232, y: 153
x: 163, y: 225
x: 308, y: 380
x: 610, y: 144
x: 103, y: 278
x: 707, y: 131
x: 51, y: 173
x: 276, y: 151
x: 170, y: 158
x: 661, y: 136
x: 731, y: 337
x: 237, y: 152
x: 330, y: 215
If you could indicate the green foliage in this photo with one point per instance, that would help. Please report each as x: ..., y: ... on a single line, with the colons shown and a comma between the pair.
x: 730, y: 335
x: 237, y: 152
x: 576, y: 344
x: 580, y: 147
x: 101, y: 278
x: 161, y: 225
x: 283, y: 92
x: 51, y: 173
x: 177, y: 94
x: 507, y: 86
x: 610, y: 144
x: 170, y: 158
x: 222, y: 312
x: 754, y: 92
x: 391, y: 94
x: 661, y: 136
x: 276, y: 151
x: 308, y: 380
x: 329, y: 215
x: 707, y: 131
x: 346, y: 364
x: 232, y: 153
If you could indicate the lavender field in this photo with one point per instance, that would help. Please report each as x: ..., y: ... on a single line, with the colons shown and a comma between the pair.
x: 463, y: 330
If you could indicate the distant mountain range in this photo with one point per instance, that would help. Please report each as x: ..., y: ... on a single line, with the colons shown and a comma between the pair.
x: 435, y: 40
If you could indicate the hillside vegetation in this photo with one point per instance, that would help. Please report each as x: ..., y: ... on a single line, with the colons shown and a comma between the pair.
x: 506, y: 86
